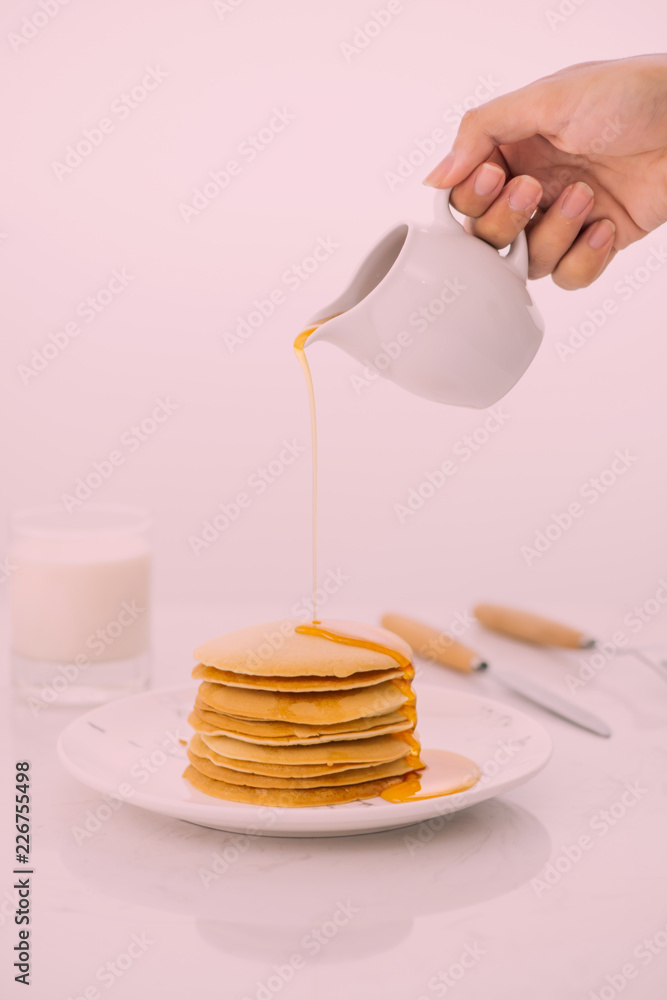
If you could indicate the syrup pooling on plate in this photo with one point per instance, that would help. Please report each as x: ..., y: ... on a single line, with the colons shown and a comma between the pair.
x: 445, y: 773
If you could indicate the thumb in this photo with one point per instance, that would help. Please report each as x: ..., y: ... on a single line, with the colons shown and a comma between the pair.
x: 504, y: 120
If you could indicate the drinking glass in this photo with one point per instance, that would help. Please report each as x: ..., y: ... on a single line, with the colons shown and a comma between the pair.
x: 79, y: 591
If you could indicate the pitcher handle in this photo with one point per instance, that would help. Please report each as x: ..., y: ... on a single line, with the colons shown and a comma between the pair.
x: 517, y: 255
x: 442, y: 212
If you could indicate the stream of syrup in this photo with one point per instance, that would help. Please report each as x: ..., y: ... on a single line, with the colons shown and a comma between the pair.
x: 445, y: 772
x: 300, y: 351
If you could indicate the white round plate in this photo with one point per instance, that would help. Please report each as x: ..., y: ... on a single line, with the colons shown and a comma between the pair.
x: 130, y: 749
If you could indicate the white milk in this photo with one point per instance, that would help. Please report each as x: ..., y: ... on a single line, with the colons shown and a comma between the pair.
x: 80, y: 596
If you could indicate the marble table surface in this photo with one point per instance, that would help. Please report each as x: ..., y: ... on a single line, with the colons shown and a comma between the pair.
x: 554, y: 890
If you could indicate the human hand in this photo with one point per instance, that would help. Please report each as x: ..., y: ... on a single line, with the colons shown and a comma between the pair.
x: 578, y: 159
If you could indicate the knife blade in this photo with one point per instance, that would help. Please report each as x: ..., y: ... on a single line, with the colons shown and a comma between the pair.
x: 441, y: 648
x: 552, y: 702
x: 655, y: 659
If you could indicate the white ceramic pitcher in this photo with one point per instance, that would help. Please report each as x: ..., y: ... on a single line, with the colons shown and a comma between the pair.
x: 439, y: 312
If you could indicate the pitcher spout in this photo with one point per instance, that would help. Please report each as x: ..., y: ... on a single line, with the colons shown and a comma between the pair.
x: 343, y: 320
x: 351, y: 331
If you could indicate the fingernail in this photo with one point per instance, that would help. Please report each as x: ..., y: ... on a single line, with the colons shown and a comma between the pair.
x: 526, y: 194
x: 437, y: 176
x: 576, y: 200
x: 488, y: 178
x: 601, y: 233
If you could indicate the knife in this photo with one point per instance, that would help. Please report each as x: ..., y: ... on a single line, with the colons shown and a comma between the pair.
x: 544, y: 632
x: 442, y: 648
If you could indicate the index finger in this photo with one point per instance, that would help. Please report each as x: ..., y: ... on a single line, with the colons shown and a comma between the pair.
x: 510, y: 118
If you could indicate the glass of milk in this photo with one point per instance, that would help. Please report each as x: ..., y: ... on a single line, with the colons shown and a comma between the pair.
x: 79, y: 603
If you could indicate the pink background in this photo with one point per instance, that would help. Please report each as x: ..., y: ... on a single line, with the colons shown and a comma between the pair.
x: 323, y: 176
x: 163, y: 338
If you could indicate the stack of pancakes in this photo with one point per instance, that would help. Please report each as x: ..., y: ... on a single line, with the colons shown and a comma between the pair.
x: 284, y: 718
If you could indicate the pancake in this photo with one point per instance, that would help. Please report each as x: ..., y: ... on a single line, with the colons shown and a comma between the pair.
x: 325, y: 707
x: 279, y: 728
x: 200, y: 749
x: 273, y: 683
x: 275, y: 649
x: 348, y: 777
x: 287, y: 797
x: 268, y: 739
x: 377, y: 750
x: 204, y: 721
x: 291, y: 719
